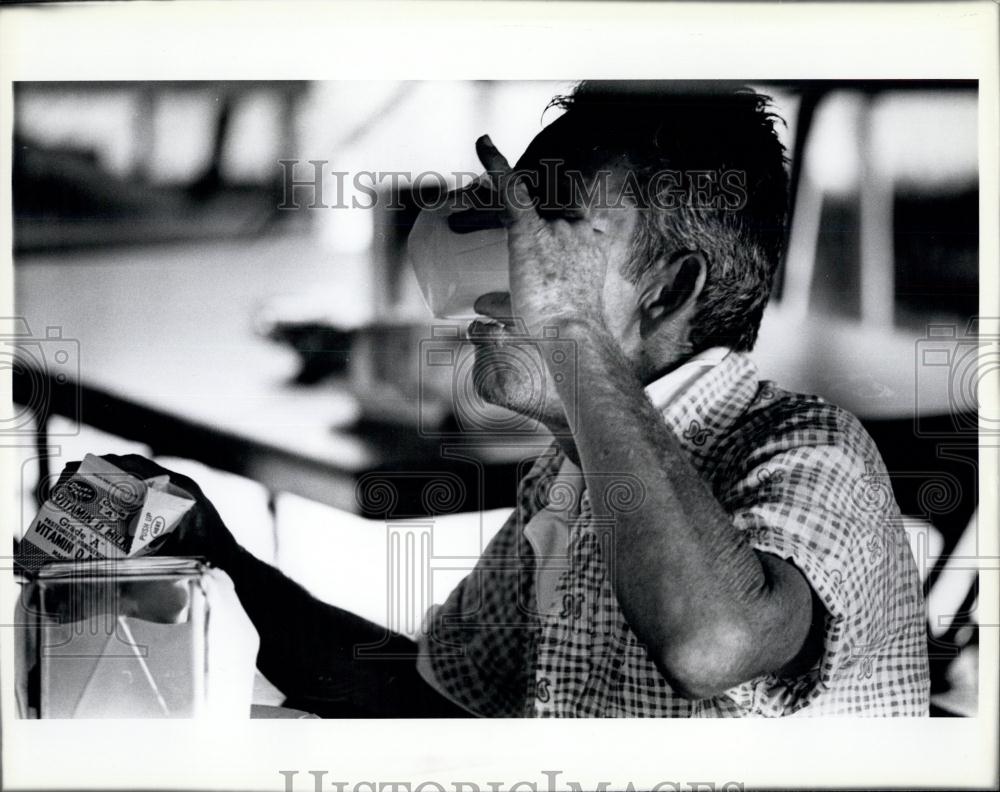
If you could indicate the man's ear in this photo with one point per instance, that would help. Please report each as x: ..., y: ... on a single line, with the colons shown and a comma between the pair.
x: 671, y: 288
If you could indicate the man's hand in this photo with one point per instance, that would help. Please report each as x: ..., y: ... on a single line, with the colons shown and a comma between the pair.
x: 200, y: 532
x: 557, y: 266
x: 307, y: 647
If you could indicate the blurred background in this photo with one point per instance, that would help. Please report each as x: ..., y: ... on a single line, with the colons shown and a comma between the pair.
x: 169, y: 306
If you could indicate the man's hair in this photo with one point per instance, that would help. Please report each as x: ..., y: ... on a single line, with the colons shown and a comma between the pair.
x: 689, y: 129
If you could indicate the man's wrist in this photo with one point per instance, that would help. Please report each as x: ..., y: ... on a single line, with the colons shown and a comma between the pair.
x: 598, y: 356
x: 595, y: 345
x: 581, y: 328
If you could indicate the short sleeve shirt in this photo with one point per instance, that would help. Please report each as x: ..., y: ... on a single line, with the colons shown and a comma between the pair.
x: 801, y: 480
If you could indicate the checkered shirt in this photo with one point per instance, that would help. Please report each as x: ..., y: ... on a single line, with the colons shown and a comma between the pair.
x: 801, y: 479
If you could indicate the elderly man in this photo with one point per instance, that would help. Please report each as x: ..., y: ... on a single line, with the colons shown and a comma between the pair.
x: 696, y: 542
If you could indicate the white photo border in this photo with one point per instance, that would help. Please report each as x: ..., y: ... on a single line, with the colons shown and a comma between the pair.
x: 513, y: 40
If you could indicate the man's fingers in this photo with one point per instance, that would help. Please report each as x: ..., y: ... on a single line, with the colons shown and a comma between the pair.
x: 492, y: 159
x: 470, y: 221
x: 510, y: 185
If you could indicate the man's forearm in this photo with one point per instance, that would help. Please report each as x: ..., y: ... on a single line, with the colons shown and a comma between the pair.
x: 308, y: 649
x: 711, y: 610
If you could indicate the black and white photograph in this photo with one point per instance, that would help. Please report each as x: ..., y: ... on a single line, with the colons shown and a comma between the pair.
x: 386, y: 402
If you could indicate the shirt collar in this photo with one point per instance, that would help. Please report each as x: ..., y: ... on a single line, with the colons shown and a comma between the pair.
x: 663, y: 391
